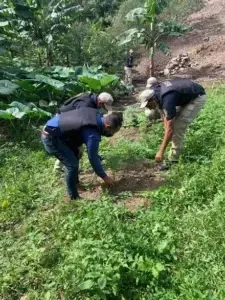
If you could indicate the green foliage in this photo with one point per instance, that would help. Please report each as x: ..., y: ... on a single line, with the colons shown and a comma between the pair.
x: 53, y: 84
x: 18, y: 110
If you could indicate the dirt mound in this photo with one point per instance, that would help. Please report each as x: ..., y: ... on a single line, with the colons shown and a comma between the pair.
x: 205, y: 43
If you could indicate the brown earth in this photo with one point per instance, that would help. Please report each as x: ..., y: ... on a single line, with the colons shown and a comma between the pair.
x: 130, y: 182
x: 205, y: 44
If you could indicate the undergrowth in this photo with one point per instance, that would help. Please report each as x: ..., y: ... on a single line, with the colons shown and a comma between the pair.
x: 100, y: 250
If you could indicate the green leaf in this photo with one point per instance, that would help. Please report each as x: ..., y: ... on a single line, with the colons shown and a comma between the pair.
x: 24, y: 11
x: 4, y: 105
x: 2, y: 50
x: 91, y: 83
x: 16, y: 112
x: 6, y: 115
x: 106, y: 80
x: 102, y: 283
x: 47, y: 296
x: 52, y: 82
x: 162, y: 246
x: 3, y: 24
x: 137, y: 13
x: 26, y: 85
x: 129, y: 36
x: 7, y: 87
x: 159, y: 267
x: 20, y: 106
x: 86, y: 285
x: 155, y: 272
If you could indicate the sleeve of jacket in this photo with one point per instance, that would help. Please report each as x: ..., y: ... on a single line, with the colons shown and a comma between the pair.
x: 92, y: 138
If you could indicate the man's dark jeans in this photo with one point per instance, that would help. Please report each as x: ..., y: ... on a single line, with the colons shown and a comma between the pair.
x: 57, y: 146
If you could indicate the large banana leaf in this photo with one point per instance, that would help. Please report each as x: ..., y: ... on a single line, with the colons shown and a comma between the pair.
x: 6, y: 115
x: 137, y: 13
x: 26, y: 85
x: 107, y: 80
x: 91, y: 83
x: 52, y: 82
x: 7, y: 87
x: 15, y: 112
x: 3, y: 24
x: 129, y: 36
x: 18, y: 110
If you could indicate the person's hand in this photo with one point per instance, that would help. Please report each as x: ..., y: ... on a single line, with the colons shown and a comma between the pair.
x: 159, y: 157
x: 108, y: 181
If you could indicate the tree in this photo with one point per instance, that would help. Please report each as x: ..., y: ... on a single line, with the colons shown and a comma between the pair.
x: 148, y: 28
x: 41, y: 21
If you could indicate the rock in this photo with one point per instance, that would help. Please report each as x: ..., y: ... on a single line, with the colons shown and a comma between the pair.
x: 185, y: 59
x: 166, y: 72
x: 161, y: 73
x: 217, y: 66
x: 206, y: 39
x: 174, y: 65
x: 182, y: 69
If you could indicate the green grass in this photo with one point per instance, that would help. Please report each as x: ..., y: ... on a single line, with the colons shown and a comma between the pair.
x: 99, y: 250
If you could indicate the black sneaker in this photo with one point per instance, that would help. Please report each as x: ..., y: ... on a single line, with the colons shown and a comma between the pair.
x: 164, y: 166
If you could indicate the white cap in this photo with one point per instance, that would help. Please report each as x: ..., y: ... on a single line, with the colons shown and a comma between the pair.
x: 145, y: 96
x: 151, y: 81
x: 107, y: 100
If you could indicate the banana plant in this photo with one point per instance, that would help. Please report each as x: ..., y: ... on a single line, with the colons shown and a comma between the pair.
x: 148, y: 28
x: 42, y: 22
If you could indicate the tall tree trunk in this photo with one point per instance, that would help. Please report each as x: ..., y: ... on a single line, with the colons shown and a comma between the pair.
x: 67, y: 60
x: 152, y: 51
x: 152, y: 62
x: 49, y: 56
x: 39, y: 59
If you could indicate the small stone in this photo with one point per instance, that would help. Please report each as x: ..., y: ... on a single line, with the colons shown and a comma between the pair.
x: 182, y: 69
x: 206, y: 39
x: 166, y: 72
x: 174, y: 65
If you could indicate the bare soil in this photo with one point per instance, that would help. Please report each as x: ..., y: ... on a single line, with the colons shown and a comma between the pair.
x: 130, y: 182
x: 205, y: 44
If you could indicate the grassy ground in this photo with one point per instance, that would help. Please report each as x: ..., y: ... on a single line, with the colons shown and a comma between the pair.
x: 172, y: 249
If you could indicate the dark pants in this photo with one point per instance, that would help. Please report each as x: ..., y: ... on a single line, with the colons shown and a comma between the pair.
x: 58, y: 147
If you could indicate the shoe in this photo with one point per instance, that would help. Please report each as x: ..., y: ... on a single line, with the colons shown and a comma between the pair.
x: 164, y: 167
x: 68, y: 200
